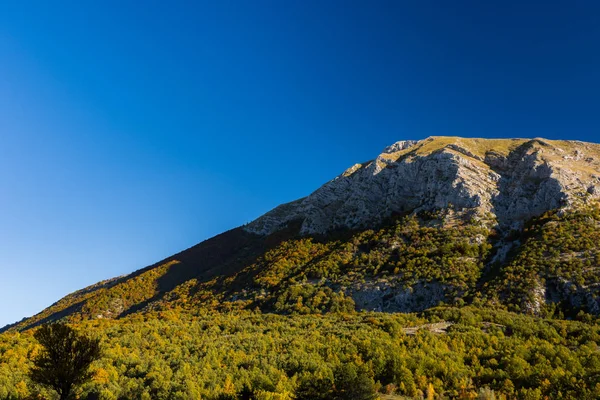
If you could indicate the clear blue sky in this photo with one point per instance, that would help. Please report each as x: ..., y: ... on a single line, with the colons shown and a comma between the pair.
x: 131, y: 130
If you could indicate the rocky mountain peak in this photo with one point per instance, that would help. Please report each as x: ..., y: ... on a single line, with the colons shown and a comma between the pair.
x: 399, y: 146
x: 502, y: 182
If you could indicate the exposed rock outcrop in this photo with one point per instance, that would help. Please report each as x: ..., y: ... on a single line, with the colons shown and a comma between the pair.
x: 389, y: 296
x: 506, y: 181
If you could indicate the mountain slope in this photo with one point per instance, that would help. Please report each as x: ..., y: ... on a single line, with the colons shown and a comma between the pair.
x: 438, y: 220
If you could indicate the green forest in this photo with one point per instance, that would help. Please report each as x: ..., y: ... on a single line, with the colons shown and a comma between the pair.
x: 478, y: 354
x: 282, y: 322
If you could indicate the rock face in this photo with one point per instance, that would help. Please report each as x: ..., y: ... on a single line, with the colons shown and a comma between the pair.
x: 394, y: 297
x: 504, y: 181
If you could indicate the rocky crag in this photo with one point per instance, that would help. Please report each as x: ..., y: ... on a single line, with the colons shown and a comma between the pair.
x: 505, y: 182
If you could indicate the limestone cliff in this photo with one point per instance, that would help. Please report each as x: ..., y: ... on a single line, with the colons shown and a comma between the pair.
x: 502, y: 181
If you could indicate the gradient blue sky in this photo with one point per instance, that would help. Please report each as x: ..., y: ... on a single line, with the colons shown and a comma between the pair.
x: 132, y: 130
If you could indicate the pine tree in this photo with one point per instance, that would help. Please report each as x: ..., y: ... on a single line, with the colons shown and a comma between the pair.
x: 65, y: 359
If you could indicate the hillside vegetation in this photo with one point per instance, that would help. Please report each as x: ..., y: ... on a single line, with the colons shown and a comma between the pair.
x: 287, y: 325
x: 207, y: 355
x: 411, y: 264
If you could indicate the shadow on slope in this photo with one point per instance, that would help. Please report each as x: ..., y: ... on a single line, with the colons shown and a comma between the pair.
x: 221, y: 256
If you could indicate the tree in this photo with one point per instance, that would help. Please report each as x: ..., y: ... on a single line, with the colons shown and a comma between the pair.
x: 65, y: 359
x: 316, y: 386
x: 246, y: 393
x: 353, y: 382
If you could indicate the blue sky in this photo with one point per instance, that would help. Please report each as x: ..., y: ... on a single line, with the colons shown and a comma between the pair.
x: 131, y: 130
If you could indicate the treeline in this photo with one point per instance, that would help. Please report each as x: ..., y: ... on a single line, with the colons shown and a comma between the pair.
x: 207, y: 355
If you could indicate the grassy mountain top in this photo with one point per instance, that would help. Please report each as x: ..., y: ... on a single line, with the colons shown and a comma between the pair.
x: 481, y: 147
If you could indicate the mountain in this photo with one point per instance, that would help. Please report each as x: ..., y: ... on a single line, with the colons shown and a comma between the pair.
x: 511, y: 223
x: 513, y: 180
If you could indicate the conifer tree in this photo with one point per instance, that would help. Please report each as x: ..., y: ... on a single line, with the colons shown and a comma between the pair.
x: 64, y: 362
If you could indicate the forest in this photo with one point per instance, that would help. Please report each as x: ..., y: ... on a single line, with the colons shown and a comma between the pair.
x: 284, y: 323
x: 478, y: 353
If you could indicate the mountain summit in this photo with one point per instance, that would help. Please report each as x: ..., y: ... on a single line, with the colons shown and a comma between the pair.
x: 507, y: 180
x: 512, y: 223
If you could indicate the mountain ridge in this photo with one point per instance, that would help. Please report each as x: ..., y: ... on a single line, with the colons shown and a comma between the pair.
x: 476, y: 175
x: 424, y: 222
